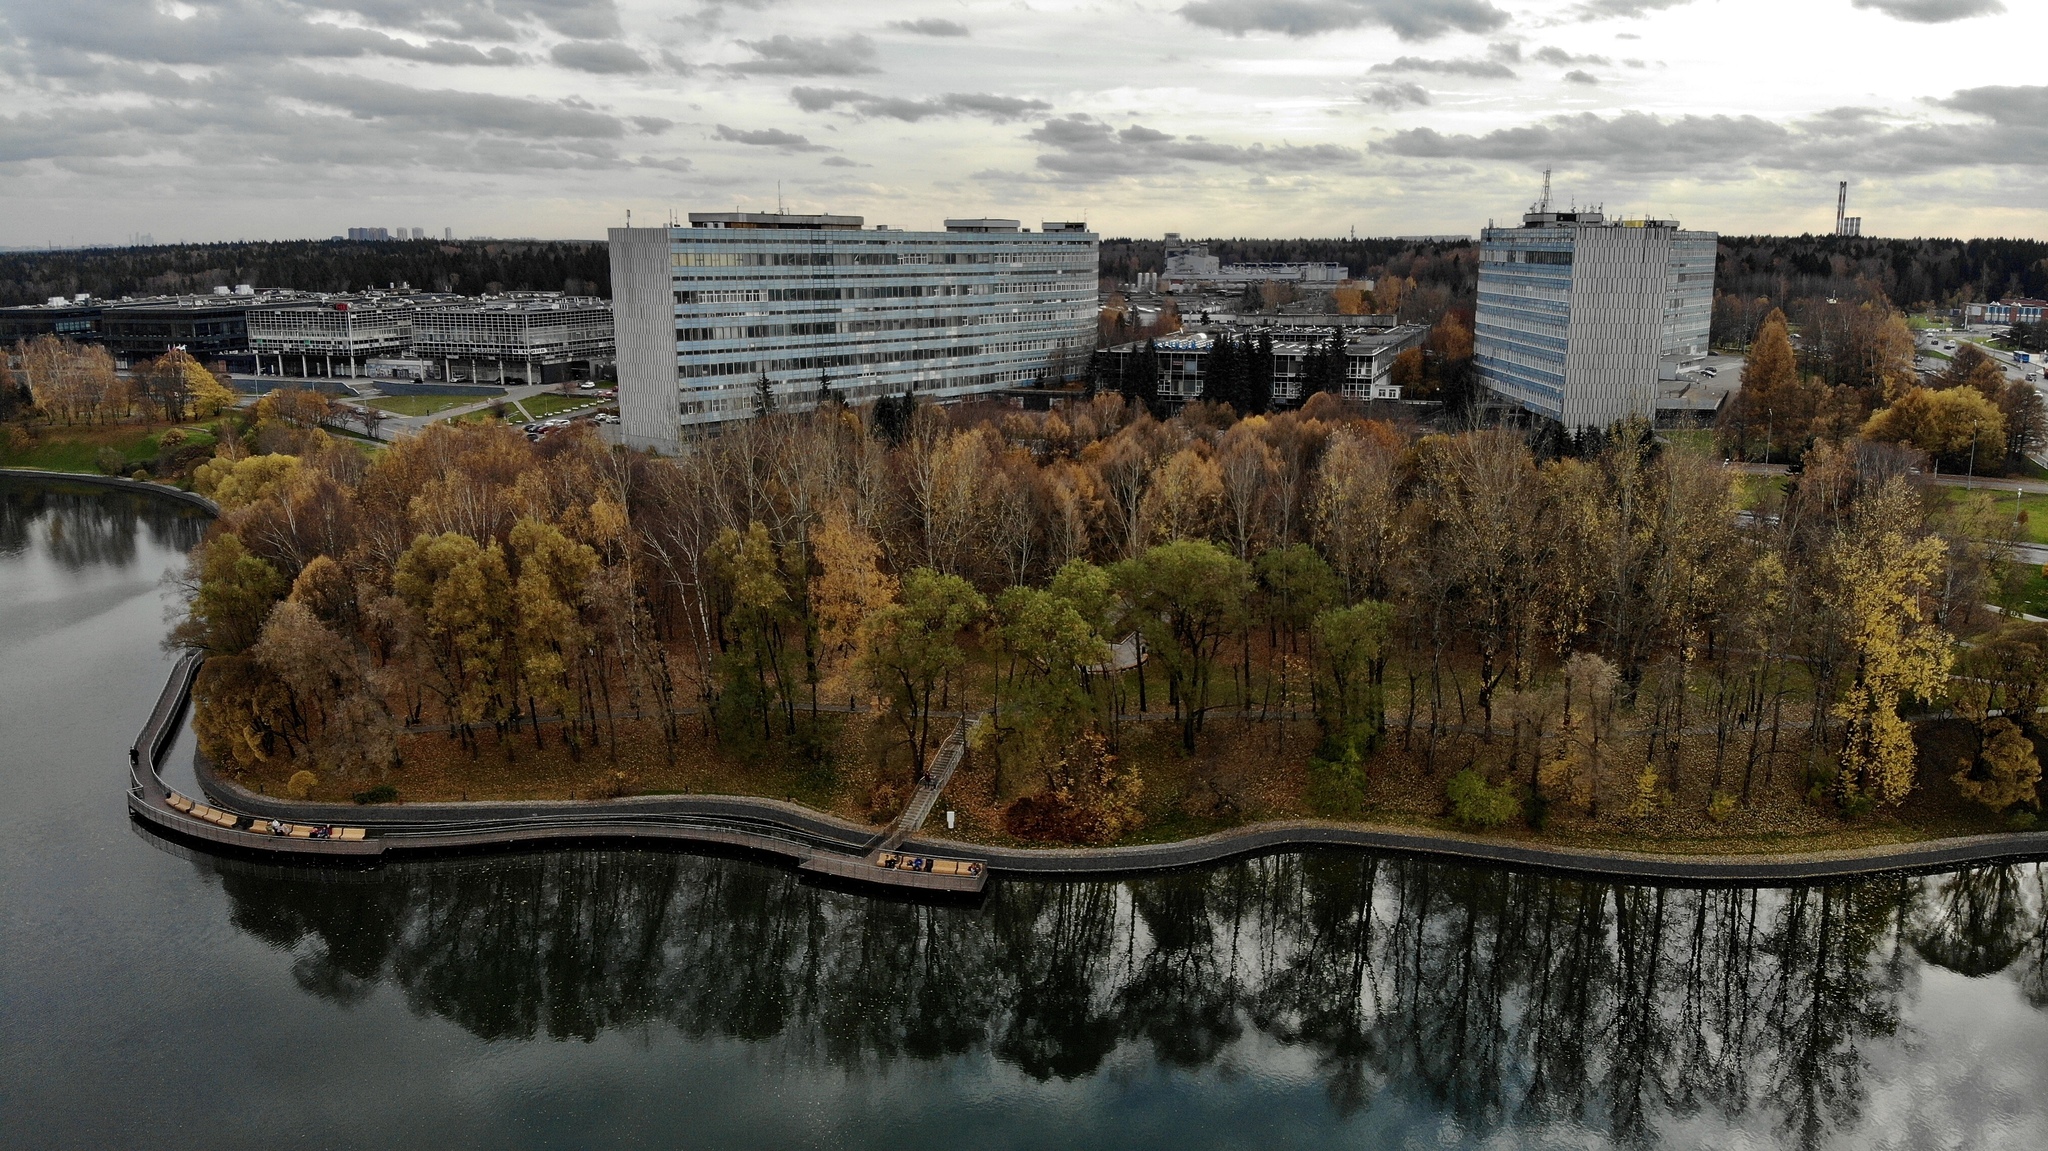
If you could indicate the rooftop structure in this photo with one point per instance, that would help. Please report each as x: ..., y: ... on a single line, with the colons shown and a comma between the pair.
x: 1579, y: 316
x: 706, y: 311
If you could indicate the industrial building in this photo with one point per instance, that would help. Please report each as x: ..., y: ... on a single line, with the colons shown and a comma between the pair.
x: 1371, y: 344
x: 334, y: 335
x: 705, y: 311
x: 542, y: 337
x: 1580, y: 317
x: 1191, y: 264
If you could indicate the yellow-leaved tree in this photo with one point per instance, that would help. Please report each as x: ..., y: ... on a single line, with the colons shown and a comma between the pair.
x: 1879, y: 580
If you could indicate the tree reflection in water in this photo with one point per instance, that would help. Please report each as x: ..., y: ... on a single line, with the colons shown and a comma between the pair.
x: 1503, y: 999
x: 92, y: 527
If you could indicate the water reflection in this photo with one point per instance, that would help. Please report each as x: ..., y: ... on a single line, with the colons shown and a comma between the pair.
x: 1505, y: 1000
x: 83, y: 527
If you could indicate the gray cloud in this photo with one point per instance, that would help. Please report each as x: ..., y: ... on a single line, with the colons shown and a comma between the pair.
x: 1629, y: 9
x: 2013, y: 131
x: 605, y: 57
x: 839, y: 162
x: 652, y: 125
x: 1481, y: 69
x: 1395, y: 96
x: 229, y: 31
x: 1408, y: 19
x: 1084, y: 149
x: 1931, y: 11
x: 868, y: 105
x: 1560, y: 57
x: 931, y: 27
x: 770, y: 138
x: 1575, y: 76
x: 801, y: 56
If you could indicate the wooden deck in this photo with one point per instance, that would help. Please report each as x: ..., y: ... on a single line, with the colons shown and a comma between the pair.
x: 891, y: 869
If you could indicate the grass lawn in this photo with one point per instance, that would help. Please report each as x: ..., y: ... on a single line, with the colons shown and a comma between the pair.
x: 76, y: 449
x: 419, y: 405
x: 2026, y: 591
x: 1935, y: 354
x: 2033, y: 508
x: 1692, y: 439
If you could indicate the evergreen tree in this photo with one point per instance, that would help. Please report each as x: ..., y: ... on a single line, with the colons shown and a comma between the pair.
x: 826, y: 393
x: 1258, y: 377
x: 764, y: 396
x: 1141, y: 380
x: 1222, y: 372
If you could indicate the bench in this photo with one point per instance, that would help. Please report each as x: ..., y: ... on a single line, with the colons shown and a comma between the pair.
x: 177, y: 802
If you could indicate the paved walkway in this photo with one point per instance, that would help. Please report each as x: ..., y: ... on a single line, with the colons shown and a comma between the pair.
x: 933, y: 781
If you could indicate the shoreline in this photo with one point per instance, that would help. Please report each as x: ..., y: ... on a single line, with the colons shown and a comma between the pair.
x: 796, y: 833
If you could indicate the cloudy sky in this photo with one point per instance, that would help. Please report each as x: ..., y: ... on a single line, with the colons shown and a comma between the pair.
x: 218, y: 119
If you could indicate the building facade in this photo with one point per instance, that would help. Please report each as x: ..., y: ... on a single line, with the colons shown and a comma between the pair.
x: 76, y: 319
x: 542, y: 337
x: 705, y: 311
x: 1579, y: 317
x: 1187, y: 264
x: 1371, y: 344
x: 2007, y: 311
x: 334, y: 335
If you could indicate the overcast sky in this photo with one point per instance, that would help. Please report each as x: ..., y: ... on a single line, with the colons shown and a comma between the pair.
x: 219, y: 119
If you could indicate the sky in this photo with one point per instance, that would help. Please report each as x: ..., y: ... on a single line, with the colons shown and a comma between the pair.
x: 232, y: 119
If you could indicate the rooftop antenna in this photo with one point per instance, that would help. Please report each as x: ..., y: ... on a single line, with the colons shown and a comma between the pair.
x: 1544, y: 205
x: 779, y: 209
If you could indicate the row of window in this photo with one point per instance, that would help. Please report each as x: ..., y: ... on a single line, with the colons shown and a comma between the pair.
x: 859, y: 259
x: 879, y: 292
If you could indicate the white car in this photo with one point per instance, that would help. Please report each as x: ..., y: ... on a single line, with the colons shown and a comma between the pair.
x: 607, y: 418
x: 587, y: 386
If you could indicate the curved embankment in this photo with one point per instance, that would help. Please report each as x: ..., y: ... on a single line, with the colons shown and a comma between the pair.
x: 801, y: 835
x: 165, y: 490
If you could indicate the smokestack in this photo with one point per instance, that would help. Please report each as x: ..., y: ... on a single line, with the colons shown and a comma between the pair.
x: 1841, y: 207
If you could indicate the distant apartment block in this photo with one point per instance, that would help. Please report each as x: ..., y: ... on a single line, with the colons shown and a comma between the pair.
x: 1580, y: 316
x: 705, y: 311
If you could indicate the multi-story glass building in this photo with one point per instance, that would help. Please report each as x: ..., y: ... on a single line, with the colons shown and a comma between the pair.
x: 705, y: 311
x: 1579, y: 316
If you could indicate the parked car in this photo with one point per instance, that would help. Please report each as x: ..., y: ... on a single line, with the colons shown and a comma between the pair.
x: 586, y: 386
x: 607, y: 418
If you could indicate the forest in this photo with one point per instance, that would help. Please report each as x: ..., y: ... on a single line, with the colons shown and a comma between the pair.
x: 1149, y: 627
x: 471, y: 267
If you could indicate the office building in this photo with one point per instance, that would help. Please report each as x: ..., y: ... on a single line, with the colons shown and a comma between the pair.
x: 207, y: 327
x: 1579, y: 317
x: 1371, y: 344
x: 705, y: 311
x: 541, y: 337
x: 333, y: 335
x: 77, y: 318
x: 2011, y: 310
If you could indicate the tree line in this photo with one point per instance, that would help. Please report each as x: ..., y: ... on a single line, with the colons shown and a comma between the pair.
x: 1602, y: 635
x: 579, y: 267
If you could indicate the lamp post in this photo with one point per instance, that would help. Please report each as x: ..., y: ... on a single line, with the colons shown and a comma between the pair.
x: 1971, y: 481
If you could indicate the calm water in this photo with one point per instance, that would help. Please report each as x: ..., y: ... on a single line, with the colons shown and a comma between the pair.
x: 155, y: 997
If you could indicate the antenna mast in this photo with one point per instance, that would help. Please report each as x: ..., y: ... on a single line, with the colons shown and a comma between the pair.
x: 1544, y: 205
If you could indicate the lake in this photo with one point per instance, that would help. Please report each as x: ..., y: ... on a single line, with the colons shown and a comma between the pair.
x: 151, y: 995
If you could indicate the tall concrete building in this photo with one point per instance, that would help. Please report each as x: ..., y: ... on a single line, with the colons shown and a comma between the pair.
x: 704, y: 311
x: 1580, y: 316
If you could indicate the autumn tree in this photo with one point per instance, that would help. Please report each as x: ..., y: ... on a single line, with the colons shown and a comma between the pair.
x: 1185, y: 597
x: 1777, y: 402
x: 1955, y: 425
x: 1045, y: 646
x: 1878, y: 576
x: 912, y: 652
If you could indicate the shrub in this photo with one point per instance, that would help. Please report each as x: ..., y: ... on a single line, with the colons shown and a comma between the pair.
x: 301, y: 784
x: 1721, y: 807
x: 108, y: 461
x: 382, y: 793
x: 1477, y: 803
x: 1337, y: 779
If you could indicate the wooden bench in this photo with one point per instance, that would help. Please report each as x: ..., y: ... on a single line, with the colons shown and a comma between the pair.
x: 177, y: 802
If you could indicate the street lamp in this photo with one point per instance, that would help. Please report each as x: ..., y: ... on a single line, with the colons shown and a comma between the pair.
x: 1971, y: 481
